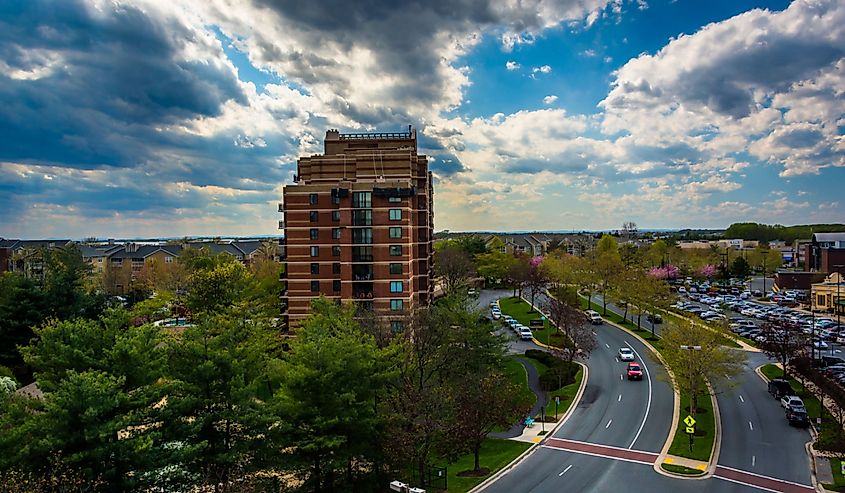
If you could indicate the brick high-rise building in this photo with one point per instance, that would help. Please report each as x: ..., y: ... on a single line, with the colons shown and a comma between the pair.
x: 358, y: 227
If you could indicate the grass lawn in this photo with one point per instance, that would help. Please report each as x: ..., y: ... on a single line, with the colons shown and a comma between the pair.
x: 521, y: 311
x: 566, y: 394
x: 519, y: 377
x: 705, y: 424
x: 495, y: 454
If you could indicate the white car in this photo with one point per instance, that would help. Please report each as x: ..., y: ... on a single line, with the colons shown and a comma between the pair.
x: 791, y: 400
x: 626, y: 354
x: 525, y: 334
x: 496, y: 314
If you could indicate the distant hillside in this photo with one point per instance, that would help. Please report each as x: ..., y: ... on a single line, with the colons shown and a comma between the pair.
x: 765, y: 232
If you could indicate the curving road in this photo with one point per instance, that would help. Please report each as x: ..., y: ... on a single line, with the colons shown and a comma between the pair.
x: 617, y: 429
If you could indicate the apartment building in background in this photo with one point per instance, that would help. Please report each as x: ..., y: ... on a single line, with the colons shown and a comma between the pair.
x: 358, y: 227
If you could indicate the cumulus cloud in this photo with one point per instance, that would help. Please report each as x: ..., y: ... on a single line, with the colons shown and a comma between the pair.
x: 543, y: 69
x: 550, y: 99
x: 511, y: 65
x: 760, y: 82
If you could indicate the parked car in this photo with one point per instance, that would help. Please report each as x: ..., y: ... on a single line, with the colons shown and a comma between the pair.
x: 525, y: 334
x: 626, y: 354
x: 791, y: 400
x: 797, y: 416
x: 779, y: 388
x: 654, y: 318
x: 594, y: 317
x: 635, y: 372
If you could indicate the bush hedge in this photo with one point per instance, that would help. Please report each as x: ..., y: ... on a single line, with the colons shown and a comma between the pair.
x: 559, y: 374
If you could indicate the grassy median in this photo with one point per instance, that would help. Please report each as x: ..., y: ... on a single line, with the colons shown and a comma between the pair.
x: 705, y: 431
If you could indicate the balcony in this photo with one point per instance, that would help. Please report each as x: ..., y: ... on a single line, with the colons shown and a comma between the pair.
x: 281, y: 207
x: 283, y: 253
x: 364, y: 305
x: 281, y: 225
x: 363, y: 291
x: 362, y: 272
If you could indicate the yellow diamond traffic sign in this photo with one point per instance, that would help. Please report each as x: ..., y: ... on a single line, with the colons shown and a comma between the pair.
x: 689, y: 421
x: 690, y: 430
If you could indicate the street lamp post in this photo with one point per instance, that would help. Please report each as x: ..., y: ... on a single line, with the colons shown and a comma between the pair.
x: 838, y: 299
x: 690, y: 348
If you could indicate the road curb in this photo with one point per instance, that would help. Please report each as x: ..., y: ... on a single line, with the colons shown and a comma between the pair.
x: 534, y: 446
x: 808, y: 447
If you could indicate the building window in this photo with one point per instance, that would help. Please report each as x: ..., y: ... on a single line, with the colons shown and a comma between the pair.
x: 362, y: 235
x: 395, y: 268
x: 335, y: 268
x: 335, y: 251
x: 315, y: 251
x: 336, y: 216
x: 335, y: 200
x: 396, y: 325
x: 336, y: 233
x: 395, y: 286
x: 362, y: 254
x: 395, y: 250
x: 315, y: 286
x: 395, y: 214
x: 313, y: 216
x: 315, y: 268
x: 394, y: 200
x: 315, y: 233
x: 362, y: 218
x: 167, y: 259
x: 395, y: 232
x: 362, y: 200
x: 396, y: 305
x: 336, y: 285
x: 312, y: 199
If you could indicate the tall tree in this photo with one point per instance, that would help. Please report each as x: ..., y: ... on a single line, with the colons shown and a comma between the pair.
x: 334, y: 378
x: 784, y: 342
x: 695, y: 355
x: 453, y: 266
x: 518, y: 275
x: 606, y: 265
x: 482, y: 401
x: 22, y: 307
x: 565, y: 314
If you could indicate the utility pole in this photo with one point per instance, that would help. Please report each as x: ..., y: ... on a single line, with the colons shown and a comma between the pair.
x: 838, y: 301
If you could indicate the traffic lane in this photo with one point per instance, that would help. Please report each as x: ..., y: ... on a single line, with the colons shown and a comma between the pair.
x: 487, y: 296
x: 615, y: 411
x: 553, y: 471
x: 618, y: 412
x: 631, y: 315
x: 755, y: 434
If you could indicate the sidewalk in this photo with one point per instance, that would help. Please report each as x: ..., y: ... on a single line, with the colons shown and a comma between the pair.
x: 518, y: 430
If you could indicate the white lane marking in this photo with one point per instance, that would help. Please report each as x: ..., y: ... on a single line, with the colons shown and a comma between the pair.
x: 619, y: 399
x: 727, y: 376
x: 751, y: 426
x: 594, y: 333
x: 648, y: 403
x: 607, y: 346
x: 740, y: 398
x: 753, y: 460
x: 564, y: 471
x: 621, y: 377
x: 608, y: 424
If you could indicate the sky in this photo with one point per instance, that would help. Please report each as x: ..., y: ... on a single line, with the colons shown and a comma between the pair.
x: 186, y: 117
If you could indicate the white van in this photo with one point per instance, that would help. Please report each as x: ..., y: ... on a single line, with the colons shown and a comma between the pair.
x: 594, y: 317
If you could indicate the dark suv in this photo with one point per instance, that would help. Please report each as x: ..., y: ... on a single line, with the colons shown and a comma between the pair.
x: 779, y: 388
x: 797, y: 416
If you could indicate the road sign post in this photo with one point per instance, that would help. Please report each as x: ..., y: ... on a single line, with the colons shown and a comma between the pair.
x: 690, y: 429
x: 543, y: 419
x: 557, y: 403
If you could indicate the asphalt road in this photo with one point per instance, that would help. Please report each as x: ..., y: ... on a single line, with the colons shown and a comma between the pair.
x: 630, y: 416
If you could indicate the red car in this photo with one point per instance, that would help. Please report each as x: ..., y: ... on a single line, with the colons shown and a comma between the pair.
x: 635, y: 371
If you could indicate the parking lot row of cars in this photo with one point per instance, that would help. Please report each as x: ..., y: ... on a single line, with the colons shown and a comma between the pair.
x: 520, y: 330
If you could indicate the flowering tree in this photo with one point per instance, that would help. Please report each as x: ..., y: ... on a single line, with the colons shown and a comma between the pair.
x: 667, y: 272
x: 707, y: 271
x: 536, y: 261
